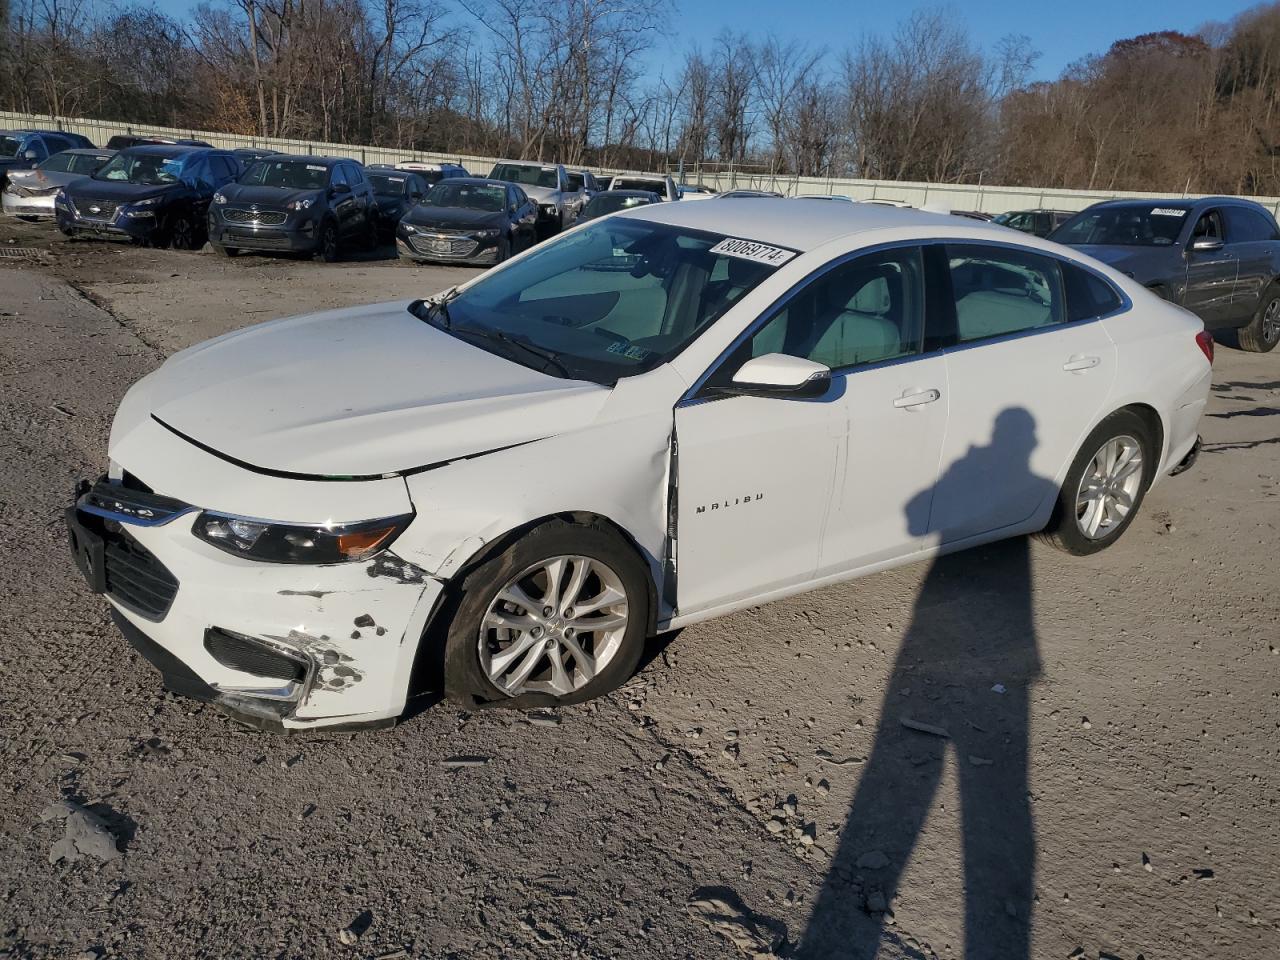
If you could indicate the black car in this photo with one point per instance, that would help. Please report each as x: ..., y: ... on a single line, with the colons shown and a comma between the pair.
x: 468, y: 220
x: 1218, y: 256
x: 395, y: 191
x: 249, y: 154
x: 301, y: 204
x: 611, y: 201
x: 155, y: 194
x: 23, y: 149
x: 123, y: 141
x: 1038, y: 223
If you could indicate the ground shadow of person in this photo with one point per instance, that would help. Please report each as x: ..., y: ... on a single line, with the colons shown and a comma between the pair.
x: 972, y: 629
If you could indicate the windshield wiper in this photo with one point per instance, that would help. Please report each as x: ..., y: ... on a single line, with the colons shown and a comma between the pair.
x: 546, y: 358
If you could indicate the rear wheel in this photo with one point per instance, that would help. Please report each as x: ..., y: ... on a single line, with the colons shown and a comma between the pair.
x: 1104, y: 487
x: 1263, y: 332
x: 559, y: 617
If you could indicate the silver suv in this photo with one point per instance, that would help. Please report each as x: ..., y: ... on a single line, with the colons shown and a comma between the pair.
x: 547, y: 185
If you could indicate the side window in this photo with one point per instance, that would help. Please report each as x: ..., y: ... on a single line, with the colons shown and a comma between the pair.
x: 198, y: 175
x: 222, y: 170
x: 999, y: 290
x: 869, y: 309
x: 355, y: 176
x: 337, y: 176
x: 1208, y: 227
x: 36, y: 145
x: 57, y: 144
x: 1248, y: 226
x: 1088, y: 295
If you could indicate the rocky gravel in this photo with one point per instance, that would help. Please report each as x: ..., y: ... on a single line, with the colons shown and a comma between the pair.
x: 1008, y: 753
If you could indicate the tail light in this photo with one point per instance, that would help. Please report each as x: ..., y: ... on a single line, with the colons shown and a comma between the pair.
x: 1204, y: 340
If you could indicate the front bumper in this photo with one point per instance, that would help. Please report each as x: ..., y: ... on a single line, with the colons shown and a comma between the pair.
x: 15, y: 205
x: 350, y: 629
x: 427, y: 247
x: 117, y: 227
x: 296, y: 233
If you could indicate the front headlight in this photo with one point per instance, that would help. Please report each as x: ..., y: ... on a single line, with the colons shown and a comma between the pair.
x: 219, y: 198
x: 296, y: 543
x: 408, y: 227
x: 141, y: 208
x: 486, y: 234
x: 305, y: 204
x: 60, y: 199
x: 550, y: 208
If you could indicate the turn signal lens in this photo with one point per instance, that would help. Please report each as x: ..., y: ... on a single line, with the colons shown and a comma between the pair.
x: 363, y: 543
x: 1204, y: 340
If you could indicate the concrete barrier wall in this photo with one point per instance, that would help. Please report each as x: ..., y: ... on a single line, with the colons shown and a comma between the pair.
x: 942, y: 196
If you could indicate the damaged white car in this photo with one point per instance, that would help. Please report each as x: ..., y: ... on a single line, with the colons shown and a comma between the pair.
x: 662, y: 416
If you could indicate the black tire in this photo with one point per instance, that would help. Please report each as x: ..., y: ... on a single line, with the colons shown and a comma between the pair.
x: 1262, y: 333
x: 181, y: 234
x: 465, y: 681
x: 327, y: 249
x: 1063, y: 530
x: 504, y: 250
x: 372, y: 232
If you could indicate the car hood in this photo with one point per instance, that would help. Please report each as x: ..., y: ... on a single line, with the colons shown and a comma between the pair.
x: 119, y: 190
x: 549, y: 194
x: 43, y: 178
x: 359, y: 393
x: 447, y: 218
x: 266, y: 196
x: 1144, y: 264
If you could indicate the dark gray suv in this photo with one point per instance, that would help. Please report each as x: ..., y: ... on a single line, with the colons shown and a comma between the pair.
x: 1218, y: 256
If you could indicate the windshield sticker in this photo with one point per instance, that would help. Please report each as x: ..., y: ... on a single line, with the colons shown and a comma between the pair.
x: 749, y: 250
x: 316, y: 166
x: 1168, y: 212
x: 629, y: 350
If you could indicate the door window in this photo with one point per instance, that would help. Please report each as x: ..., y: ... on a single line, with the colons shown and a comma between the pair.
x: 355, y: 176
x: 1208, y: 227
x: 863, y: 311
x: 999, y: 291
x: 337, y: 176
x: 1248, y: 226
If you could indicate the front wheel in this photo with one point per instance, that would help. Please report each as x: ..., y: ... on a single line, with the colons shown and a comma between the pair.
x: 327, y: 245
x: 182, y: 233
x: 1263, y: 332
x: 559, y: 617
x: 1104, y: 487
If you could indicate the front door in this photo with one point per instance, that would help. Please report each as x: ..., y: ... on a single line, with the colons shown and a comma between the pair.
x: 1211, y: 274
x: 1025, y: 386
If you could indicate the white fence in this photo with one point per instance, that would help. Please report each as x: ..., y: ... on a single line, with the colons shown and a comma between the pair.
x: 949, y: 196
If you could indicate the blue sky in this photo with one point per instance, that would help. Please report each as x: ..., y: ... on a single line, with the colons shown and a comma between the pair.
x: 1063, y: 31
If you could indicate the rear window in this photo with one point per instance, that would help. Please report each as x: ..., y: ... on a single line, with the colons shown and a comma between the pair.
x: 639, y: 183
x: 1088, y: 295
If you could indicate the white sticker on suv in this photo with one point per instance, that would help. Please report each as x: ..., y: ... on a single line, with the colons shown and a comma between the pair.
x: 1168, y: 212
x: 750, y: 250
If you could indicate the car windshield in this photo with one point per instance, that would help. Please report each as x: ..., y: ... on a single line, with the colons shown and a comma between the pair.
x: 148, y: 168
x: 613, y: 299
x: 469, y: 196
x: 1131, y: 225
x: 604, y: 203
x: 639, y: 183
x: 85, y: 163
x: 387, y: 184
x: 534, y: 175
x: 8, y: 146
x: 291, y: 174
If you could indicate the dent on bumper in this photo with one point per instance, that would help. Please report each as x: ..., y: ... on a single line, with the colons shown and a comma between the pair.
x: 356, y: 626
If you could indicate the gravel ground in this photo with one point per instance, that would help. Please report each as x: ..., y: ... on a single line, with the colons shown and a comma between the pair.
x: 1009, y: 753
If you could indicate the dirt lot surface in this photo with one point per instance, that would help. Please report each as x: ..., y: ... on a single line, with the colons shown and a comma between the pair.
x: 773, y: 783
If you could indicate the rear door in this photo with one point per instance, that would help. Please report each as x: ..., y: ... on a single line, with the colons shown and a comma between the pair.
x: 1252, y: 238
x: 1025, y: 382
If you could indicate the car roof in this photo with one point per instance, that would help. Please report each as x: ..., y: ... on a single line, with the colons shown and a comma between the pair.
x: 307, y: 158
x: 627, y: 193
x: 480, y: 181
x: 1186, y: 203
x: 95, y: 152
x: 167, y: 150
x: 798, y: 226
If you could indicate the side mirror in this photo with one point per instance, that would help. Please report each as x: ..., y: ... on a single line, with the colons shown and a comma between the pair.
x: 1206, y: 244
x: 780, y: 375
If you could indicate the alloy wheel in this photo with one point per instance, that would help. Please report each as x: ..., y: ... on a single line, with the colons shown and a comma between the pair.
x: 1109, y: 487
x: 1271, y: 321
x: 554, y: 627
x: 181, y: 235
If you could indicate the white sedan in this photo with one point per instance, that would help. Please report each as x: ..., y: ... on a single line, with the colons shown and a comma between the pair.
x: 657, y: 418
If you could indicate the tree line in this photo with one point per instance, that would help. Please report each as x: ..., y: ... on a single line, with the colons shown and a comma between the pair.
x: 573, y: 80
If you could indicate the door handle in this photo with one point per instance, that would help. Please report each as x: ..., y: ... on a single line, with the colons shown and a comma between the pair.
x: 908, y: 400
x: 1081, y: 364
